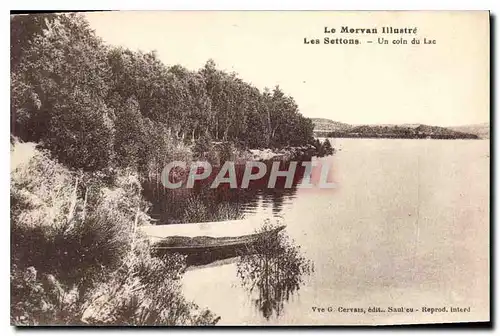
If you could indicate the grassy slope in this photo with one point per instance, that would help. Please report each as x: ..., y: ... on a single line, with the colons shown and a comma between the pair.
x: 78, y: 261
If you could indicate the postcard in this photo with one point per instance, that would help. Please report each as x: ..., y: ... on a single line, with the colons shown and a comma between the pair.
x: 250, y: 168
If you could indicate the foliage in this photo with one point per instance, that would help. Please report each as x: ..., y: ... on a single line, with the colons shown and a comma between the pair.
x: 41, y: 300
x: 203, y: 209
x: 323, y: 148
x: 95, y: 106
x: 144, y: 292
x: 202, y: 146
x: 59, y: 85
x: 273, y: 270
x: 41, y: 191
x: 74, y: 242
x: 400, y: 132
x: 327, y: 147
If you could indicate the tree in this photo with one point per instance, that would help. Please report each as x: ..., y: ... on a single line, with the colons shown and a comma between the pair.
x: 113, y: 106
x: 59, y: 86
x: 129, y: 137
x: 327, y: 147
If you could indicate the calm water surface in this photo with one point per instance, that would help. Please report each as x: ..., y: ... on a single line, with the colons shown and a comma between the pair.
x: 406, y: 226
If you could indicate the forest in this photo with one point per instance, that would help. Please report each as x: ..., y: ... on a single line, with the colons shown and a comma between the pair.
x: 96, y: 106
x: 401, y: 132
x: 99, y: 123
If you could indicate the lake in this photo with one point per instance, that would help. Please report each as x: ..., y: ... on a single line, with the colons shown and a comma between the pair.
x: 406, y: 226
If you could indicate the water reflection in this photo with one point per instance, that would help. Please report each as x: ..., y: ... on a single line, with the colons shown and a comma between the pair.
x: 204, y: 204
x: 271, y: 268
x: 269, y: 264
x: 272, y: 271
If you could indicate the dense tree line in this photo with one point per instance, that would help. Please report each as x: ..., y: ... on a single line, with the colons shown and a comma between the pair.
x: 96, y: 106
x: 400, y: 132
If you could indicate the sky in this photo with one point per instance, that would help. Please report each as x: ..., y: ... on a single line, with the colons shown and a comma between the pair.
x: 444, y: 84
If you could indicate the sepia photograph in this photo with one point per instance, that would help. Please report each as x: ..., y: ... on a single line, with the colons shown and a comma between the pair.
x: 249, y: 168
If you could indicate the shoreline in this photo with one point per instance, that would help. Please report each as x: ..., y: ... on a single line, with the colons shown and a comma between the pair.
x: 388, y: 138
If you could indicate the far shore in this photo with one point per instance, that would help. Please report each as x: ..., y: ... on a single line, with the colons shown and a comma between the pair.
x: 320, y: 137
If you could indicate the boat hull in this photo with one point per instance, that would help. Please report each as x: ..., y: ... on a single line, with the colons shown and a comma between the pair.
x: 204, y: 250
x: 184, y: 244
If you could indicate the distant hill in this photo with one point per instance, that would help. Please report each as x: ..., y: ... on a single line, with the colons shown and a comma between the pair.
x: 322, y: 124
x: 326, y: 127
x: 481, y: 130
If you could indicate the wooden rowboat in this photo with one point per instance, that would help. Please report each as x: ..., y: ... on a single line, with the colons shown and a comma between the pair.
x: 188, y: 245
x: 207, y: 237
